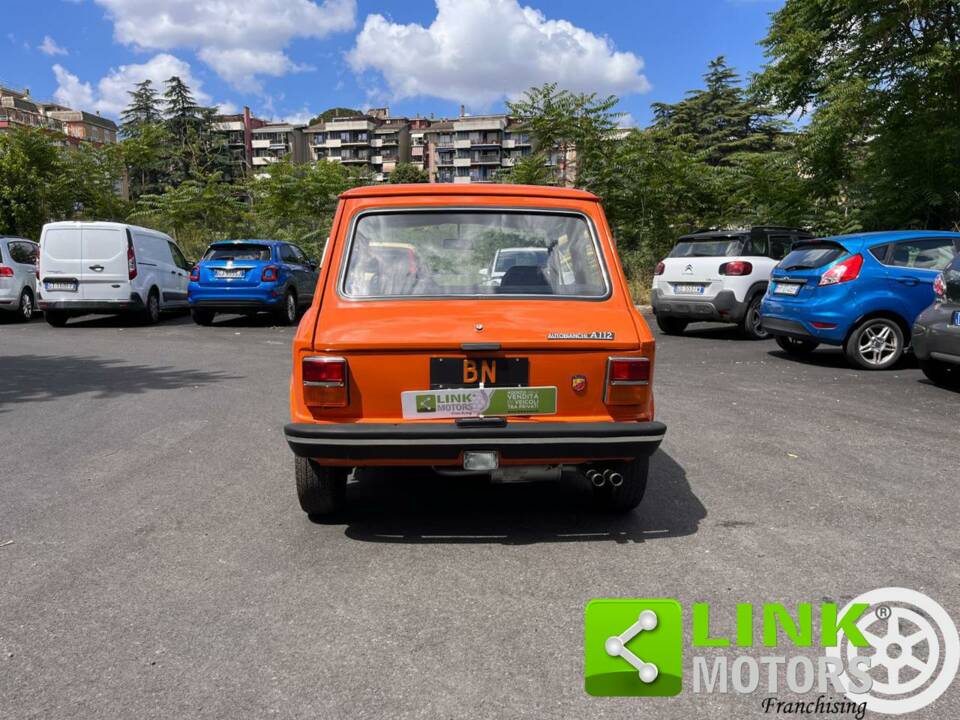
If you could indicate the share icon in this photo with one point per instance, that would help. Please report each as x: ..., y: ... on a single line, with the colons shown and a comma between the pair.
x: 616, y: 645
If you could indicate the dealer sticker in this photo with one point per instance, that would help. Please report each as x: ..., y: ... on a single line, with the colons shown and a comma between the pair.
x: 477, y: 402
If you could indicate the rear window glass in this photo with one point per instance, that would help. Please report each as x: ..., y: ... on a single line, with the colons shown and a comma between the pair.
x: 506, y: 259
x: 23, y: 253
x: 811, y: 256
x: 238, y: 252
x: 450, y: 254
x: 713, y: 247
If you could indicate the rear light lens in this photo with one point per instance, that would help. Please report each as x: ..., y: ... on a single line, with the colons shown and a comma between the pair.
x: 325, y: 381
x: 6, y: 271
x: 843, y: 271
x: 824, y: 325
x: 660, y: 268
x: 939, y: 287
x: 270, y: 274
x: 195, y: 274
x: 131, y: 259
x: 736, y: 267
x: 628, y: 379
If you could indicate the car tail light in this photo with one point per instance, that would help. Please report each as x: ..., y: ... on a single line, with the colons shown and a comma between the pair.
x: 6, y: 271
x: 270, y: 274
x: 131, y: 259
x: 195, y: 274
x: 36, y: 267
x: 325, y: 381
x: 736, y: 267
x: 660, y: 268
x: 627, y: 380
x: 939, y: 287
x: 843, y: 271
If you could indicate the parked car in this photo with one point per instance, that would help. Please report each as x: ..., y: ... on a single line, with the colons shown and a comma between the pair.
x: 551, y: 368
x: 107, y: 267
x: 251, y: 276
x: 719, y: 276
x: 506, y: 258
x: 18, y: 282
x: 862, y: 292
x: 936, y: 333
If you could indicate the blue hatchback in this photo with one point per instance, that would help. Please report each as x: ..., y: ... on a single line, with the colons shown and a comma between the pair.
x: 250, y: 276
x: 862, y: 292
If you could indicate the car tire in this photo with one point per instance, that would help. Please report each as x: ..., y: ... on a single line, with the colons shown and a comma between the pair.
x: 321, y: 490
x: 671, y: 326
x: 56, y: 318
x: 796, y: 346
x: 629, y: 494
x: 750, y: 327
x: 151, y: 311
x: 875, y: 344
x: 940, y: 373
x: 286, y: 313
x: 26, y: 307
x: 203, y: 317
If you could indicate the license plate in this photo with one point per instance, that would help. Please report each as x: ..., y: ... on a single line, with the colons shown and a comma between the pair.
x: 229, y: 274
x: 60, y: 285
x: 688, y: 289
x: 478, y: 402
x: 955, y: 320
x: 786, y: 289
x: 458, y: 372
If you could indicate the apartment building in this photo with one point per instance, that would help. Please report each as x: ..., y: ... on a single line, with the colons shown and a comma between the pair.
x: 272, y: 142
x: 237, y: 131
x: 390, y: 145
x: 83, y: 126
x: 17, y: 108
x: 473, y: 149
x: 375, y: 141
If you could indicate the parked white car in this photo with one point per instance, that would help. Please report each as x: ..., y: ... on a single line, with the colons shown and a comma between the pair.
x: 506, y: 258
x: 719, y: 276
x: 18, y: 282
x: 106, y: 267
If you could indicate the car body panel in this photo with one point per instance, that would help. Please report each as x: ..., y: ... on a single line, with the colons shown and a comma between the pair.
x: 13, y: 256
x: 936, y: 332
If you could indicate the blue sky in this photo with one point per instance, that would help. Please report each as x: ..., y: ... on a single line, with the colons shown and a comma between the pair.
x: 289, y: 59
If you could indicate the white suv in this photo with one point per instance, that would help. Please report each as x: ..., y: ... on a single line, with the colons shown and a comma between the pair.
x: 719, y: 276
x: 18, y: 283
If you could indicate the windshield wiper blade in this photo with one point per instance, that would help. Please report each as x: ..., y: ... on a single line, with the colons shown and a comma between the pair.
x: 799, y: 267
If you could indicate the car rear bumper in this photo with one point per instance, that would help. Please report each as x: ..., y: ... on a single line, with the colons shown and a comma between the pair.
x: 518, y: 441
x: 722, y: 307
x: 232, y: 305
x: 84, y: 307
x: 934, y: 336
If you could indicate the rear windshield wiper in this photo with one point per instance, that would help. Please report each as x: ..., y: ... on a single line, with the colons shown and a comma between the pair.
x: 799, y: 267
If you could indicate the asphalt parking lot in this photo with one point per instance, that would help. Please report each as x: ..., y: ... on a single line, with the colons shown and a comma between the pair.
x: 155, y: 563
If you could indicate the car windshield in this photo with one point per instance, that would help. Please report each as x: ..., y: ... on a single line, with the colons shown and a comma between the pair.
x: 812, y: 256
x: 238, y: 252
x: 450, y: 254
x: 712, y: 247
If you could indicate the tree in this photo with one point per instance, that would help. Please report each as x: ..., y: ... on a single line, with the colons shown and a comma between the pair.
x: 181, y: 110
x: 408, y: 173
x: 529, y: 170
x: 143, y: 110
x: 334, y: 112
x: 29, y: 192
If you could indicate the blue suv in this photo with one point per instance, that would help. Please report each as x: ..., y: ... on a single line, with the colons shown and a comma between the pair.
x: 250, y: 276
x: 862, y: 292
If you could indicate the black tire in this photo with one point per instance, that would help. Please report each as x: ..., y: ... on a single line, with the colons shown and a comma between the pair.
x: 750, y: 327
x: 940, y: 373
x: 875, y: 344
x: 56, y: 318
x: 203, y: 317
x: 151, y: 311
x: 286, y: 312
x: 796, y: 346
x: 671, y: 326
x: 321, y: 490
x: 629, y: 494
x: 26, y: 307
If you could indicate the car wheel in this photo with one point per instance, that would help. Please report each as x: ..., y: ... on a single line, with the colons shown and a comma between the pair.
x: 25, y: 311
x: 56, y: 318
x: 940, y: 373
x: 151, y: 313
x: 321, y: 490
x: 628, y: 494
x: 203, y: 317
x: 286, y: 314
x: 671, y: 326
x: 875, y: 344
x: 796, y: 346
x: 751, y: 327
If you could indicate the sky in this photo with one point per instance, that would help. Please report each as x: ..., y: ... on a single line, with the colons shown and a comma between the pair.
x: 290, y: 59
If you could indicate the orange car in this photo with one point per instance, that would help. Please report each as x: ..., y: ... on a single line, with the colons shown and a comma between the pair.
x: 416, y: 358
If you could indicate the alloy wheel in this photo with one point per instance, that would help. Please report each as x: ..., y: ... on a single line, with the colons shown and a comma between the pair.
x: 878, y: 343
x: 26, y: 306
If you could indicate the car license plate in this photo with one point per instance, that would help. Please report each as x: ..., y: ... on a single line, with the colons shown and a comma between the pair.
x: 478, y: 402
x: 688, y: 289
x: 955, y: 320
x: 786, y: 289
x: 229, y: 274
x: 60, y: 285
x: 460, y: 372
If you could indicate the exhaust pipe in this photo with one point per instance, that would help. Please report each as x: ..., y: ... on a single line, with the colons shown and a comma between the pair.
x: 615, y: 479
x: 595, y: 478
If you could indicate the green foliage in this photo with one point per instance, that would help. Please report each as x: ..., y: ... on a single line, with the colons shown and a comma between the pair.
x: 530, y: 170
x: 334, y: 112
x: 408, y: 173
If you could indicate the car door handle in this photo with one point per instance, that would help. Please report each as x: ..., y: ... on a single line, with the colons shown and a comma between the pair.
x: 97, y: 268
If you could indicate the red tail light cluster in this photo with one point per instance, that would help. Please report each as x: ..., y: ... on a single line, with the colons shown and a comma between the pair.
x: 939, y: 287
x: 843, y: 271
x: 195, y: 274
x: 325, y: 381
x: 131, y: 259
x: 660, y: 268
x: 270, y: 273
x: 6, y: 271
x: 629, y: 371
x: 736, y: 267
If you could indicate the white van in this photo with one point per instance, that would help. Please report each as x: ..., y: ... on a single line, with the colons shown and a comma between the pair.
x: 107, y: 267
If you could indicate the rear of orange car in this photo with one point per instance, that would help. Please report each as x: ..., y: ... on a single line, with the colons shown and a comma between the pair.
x: 412, y: 354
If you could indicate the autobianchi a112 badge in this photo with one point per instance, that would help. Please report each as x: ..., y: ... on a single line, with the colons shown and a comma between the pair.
x: 595, y: 335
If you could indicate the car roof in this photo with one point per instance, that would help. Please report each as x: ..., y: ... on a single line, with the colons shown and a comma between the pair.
x: 248, y: 242
x: 474, y: 189
x: 103, y: 224
x: 884, y: 236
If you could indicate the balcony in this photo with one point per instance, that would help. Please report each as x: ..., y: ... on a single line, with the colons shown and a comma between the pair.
x: 508, y: 162
x: 462, y: 143
x: 333, y: 143
x: 444, y: 160
x: 509, y: 143
x: 416, y: 151
x: 376, y: 142
x: 260, y: 144
x: 461, y: 162
x: 462, y: 179
x: 485, y: 159
x: 376, y: 159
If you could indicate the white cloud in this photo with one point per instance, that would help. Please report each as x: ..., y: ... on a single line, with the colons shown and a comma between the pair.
x: 49, y: 47
x: 110, y: 96
x: 479, y: 51
x: 239, y: 39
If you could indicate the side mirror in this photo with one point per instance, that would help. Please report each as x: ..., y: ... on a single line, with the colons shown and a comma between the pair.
x: 312, y: 264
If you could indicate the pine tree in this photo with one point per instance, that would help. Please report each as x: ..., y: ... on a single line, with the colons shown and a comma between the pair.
x: 182, y: 111
x: 144, y: 109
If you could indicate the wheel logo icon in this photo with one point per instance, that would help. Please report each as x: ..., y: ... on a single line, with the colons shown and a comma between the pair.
x: 914, y: 650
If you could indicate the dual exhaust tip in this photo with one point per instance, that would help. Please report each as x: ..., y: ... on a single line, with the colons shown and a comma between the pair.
x: 600, y: 478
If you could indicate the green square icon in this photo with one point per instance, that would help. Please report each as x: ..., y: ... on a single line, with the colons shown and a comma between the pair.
x: 633, y: 647
x: 426, y: 403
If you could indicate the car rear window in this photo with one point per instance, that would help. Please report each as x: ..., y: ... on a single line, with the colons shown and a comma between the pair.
x: 415, y: 253
x: 506, y: 259
x: 810, y: 256
x: 238, y: 252
x: 709, y: 247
